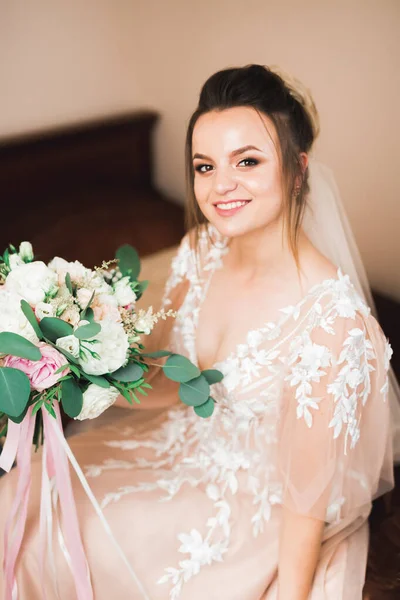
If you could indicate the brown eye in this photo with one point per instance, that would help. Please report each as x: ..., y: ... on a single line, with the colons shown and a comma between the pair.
x: 203, y: 168
x: 249, y: 162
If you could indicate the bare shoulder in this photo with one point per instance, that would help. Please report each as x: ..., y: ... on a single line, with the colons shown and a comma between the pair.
x: 315, y: 267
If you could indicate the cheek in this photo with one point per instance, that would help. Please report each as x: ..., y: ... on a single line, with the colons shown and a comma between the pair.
x: 201, y: 190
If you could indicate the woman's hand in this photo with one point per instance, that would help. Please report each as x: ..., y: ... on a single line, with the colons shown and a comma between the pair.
x: 300, y: 545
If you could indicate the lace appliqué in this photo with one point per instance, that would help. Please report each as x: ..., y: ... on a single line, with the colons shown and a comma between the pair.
x: 233, y: 451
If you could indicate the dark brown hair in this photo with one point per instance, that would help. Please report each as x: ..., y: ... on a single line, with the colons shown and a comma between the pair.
x: 260, y: 88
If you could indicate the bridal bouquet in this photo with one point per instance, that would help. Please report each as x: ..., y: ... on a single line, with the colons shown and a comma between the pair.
x: 70, y: 334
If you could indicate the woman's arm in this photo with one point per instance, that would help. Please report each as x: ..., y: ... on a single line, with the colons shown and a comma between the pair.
x: 300, y: 544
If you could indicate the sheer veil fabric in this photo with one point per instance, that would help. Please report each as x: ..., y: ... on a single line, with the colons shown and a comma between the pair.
x: 327, y: 226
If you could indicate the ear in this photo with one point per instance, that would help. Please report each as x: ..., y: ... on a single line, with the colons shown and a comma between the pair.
x: 304, y: 161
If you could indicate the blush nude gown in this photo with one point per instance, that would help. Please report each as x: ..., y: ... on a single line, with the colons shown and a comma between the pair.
x: 301, y: 419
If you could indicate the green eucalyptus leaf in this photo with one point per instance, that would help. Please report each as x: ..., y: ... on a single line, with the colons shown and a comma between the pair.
x: 205, y: 410
x: 194, y: 392
x: 16, y: 345
x: 158, y: 354
x: 85, y: 332
x: 213, y: 375
x: 131, y: 372
x: 71, y: 398
x: 88, y: 314
x: 15, y: 390
x: 30, y: 315
x: 96, y: 379
x: 87, y: 308
x: 68, y: 283
x: 54, y: 328
x: 21, y: 417
x: 128, y: 261
x: 179, y: 368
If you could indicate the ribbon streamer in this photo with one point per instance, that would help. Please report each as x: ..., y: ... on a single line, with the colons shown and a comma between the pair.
x: 55, y: 467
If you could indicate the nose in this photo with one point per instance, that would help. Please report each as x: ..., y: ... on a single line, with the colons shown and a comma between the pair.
x: 224, y: 181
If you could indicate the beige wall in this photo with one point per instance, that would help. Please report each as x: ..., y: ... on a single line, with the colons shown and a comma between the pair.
x: 63, y: 61
x: 70, y: 60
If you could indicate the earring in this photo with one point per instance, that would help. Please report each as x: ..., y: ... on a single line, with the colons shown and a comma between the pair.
x: 296, y: 191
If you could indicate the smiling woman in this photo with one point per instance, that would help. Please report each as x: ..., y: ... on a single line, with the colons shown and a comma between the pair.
x: 268, y: 499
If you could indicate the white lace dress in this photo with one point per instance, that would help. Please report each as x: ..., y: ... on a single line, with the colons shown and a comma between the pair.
x: 301, y: 419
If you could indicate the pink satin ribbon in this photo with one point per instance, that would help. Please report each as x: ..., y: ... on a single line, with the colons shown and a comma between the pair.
x: 57, y: 464
x: 18, y: 445
x: 23, y: 432
x: 56, y: 454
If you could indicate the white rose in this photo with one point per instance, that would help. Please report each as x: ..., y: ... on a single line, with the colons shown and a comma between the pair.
x: 15, y: 261
x: 44, y: 309
x: 96, y: 400
x: 26, y: 251
x: 83, y: 296
x: 123, y: 292
x: 32, y: 281
x: 70, y: 343
x: 62, y: 267
x: 112, y: 347
x: 95, y: 281
x: 12, y: 318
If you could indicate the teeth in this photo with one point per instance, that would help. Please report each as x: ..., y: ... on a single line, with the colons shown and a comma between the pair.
x: 230, y: 205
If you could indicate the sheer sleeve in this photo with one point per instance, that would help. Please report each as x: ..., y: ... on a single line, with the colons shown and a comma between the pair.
x: 334, y: 445
x: 173, y: 295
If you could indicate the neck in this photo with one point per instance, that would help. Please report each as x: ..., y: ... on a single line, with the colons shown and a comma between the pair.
x: 265, y: 252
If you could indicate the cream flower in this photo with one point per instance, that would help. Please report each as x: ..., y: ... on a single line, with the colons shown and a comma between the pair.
x: 15, y: 261
x: 12, y: 318
x: 32, y: 281
x: 76, y: 270
x: 123, y: 292
x: 111, y: 346
x: 44, y: 309
x: 26, y: 251
x: 96, y: 400
x: 70, y: 343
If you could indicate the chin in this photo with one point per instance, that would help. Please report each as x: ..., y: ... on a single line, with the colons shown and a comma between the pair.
x: 232, y: 228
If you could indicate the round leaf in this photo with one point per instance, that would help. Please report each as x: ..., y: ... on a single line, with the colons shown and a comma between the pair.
x: 179, y: 368
x: 85, y: 332
x: 158, y: 354
x: 71, y: 397
x: 132, y: 372
x: 88, y: 314
x: 54, y: 328
x: 16, y: 345
x: 22, y: 416
x: 15, y: 390
x: 212, y: 376
x: 30, y: 315
x: 205, y: 410
x: 128, y: 261
x: 194, y: 392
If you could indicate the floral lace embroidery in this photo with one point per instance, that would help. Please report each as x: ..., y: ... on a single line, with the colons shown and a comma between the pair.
x: 229, y: 451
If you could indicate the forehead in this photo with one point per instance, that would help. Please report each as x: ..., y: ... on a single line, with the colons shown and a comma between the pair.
x: 232, y: 128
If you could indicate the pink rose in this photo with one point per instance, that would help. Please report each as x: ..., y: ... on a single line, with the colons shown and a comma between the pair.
x: 41, y: 373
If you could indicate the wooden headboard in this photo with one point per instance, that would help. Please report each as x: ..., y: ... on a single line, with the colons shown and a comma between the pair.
x: 81, y: 191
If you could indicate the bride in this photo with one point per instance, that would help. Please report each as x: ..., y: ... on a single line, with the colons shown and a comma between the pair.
x: 268, y: 499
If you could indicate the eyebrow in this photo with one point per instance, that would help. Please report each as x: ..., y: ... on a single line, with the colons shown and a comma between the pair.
x: 233, y: 153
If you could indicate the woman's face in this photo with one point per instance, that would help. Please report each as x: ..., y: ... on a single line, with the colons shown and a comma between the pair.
x: 237, y: 180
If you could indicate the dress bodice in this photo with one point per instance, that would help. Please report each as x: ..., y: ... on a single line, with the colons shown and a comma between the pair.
x: 300, y: 403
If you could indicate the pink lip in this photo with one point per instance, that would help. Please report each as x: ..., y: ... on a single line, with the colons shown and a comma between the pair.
x: 232, y: 211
